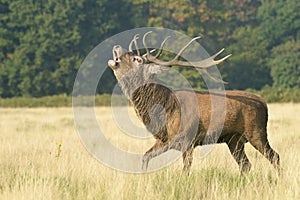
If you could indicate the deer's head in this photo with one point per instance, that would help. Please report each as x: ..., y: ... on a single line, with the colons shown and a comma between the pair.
x: 146, y: 65
x: 124, y: 62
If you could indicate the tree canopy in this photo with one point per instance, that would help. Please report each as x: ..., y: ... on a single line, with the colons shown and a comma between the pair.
x: 42, y: 43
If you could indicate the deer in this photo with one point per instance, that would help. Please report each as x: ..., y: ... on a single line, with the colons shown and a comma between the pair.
x: 180, y: 119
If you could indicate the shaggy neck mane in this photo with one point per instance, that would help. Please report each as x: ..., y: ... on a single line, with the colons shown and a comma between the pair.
x: 150, y: 98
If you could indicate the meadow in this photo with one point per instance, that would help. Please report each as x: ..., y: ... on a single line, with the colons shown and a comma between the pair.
x: 42, y: 157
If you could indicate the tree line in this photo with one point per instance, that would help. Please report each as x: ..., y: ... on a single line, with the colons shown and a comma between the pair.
x: 43, y: 43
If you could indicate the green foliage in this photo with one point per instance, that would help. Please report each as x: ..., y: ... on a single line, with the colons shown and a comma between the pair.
x: 62, y: 101
x: 270, y: 94
x: 278, y: 95
x: 266, y: 50
x: 285, y: 65
x: 280, y: 32
x: 279, y: 21
x: 46, y: 101
x: 42, y: 44
x: 247, y: 68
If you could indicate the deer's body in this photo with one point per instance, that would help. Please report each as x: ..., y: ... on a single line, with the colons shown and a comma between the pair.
x: 181, y: 119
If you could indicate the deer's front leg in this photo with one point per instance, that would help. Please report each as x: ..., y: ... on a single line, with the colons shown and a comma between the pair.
x: 180, y: 143
x: 187, y: 160
x: 152, y: 152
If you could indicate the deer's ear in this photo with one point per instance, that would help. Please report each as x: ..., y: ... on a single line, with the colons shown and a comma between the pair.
x: 138, y: 59
x: 157, y: 69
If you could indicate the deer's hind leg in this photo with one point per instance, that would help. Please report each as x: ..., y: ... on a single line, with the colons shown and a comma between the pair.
x: 259, y: 141
x: 236, y: 146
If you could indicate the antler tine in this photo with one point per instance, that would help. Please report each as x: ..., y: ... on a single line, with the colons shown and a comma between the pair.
x: 130, y: 44
x: 161, y: 47
x: 203, y: 64
x: 222, y: 59
x: 134, y: 41
x: 208, y: 62
x: 136, y: 45
x: 184, y: 48
x: 147, y: 55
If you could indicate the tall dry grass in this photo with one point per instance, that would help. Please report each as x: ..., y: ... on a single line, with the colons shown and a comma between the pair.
x: 41, y: 157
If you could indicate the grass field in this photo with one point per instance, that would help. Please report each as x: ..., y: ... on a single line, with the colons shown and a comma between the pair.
x: 41, y: 157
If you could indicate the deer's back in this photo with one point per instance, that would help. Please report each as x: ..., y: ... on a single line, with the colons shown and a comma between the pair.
x: 243, y: 111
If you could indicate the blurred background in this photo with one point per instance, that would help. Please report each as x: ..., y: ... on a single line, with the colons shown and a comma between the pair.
x: 43, y: 43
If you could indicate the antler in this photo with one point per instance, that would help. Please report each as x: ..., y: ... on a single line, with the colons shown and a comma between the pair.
x: 203, y: 64
x: 134, y: 41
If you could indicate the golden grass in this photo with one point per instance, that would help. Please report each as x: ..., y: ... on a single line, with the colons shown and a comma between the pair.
x: 33, y: 165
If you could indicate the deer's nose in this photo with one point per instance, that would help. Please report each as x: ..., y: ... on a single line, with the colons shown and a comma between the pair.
x: 112, y: 64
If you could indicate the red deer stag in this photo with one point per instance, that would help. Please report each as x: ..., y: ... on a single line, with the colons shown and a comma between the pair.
x: 176, y: 121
